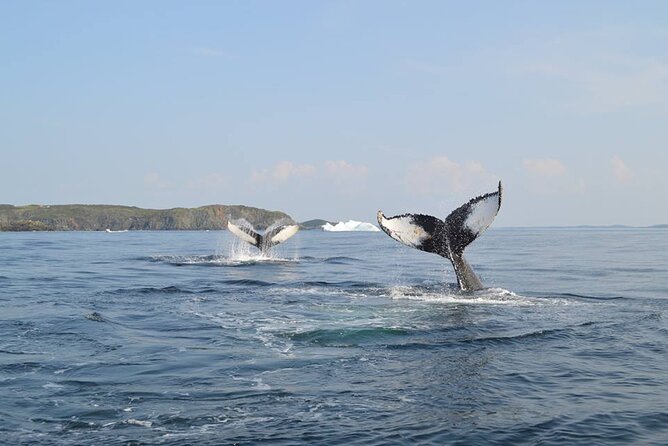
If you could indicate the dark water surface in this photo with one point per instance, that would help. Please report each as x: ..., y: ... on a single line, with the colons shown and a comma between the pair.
x: 188, y: 338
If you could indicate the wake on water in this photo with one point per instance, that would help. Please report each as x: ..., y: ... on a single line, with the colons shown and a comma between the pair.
x: 239, y: 253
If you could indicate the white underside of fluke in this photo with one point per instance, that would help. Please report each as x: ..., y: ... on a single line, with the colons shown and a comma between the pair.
x: 482, y: 214
x: 284, y: 234
x: 243, y: 235
x: 404, y: 230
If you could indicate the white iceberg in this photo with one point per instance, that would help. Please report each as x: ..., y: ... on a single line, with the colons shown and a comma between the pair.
x: 350, y: 225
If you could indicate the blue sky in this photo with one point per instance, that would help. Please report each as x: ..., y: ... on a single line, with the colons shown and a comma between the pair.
x: 335, y: 109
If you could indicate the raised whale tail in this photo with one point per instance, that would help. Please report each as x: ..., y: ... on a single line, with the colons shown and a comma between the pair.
x: 447, y: 238
x: 272, y: 237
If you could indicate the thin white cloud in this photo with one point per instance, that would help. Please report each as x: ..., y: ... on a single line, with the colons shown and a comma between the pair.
x: 620, y: 171
x: 344, y: 178
x: 340, y: 176
x: 593, y: 70
x: 632, y: 82
x: 596, y: 68
x: 550, y: 177
x: 344, y: 169
x: 544, y: 167
x: 440, y: 174
x: 283, y: 172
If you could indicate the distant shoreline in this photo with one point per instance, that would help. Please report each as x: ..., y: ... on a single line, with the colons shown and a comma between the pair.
x: 91, y: 217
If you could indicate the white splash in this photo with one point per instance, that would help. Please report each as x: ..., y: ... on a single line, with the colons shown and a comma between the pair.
x: 487, y: 296
x: 240, y: 252
x: 142, y: 423
x: 350, y: 225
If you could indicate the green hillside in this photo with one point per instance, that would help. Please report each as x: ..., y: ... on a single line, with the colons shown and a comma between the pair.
x: 314, y: 224
x: 77, y: 217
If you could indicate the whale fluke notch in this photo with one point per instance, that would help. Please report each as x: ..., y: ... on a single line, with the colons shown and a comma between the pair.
x: 275, y: 234
x: 447, y: 238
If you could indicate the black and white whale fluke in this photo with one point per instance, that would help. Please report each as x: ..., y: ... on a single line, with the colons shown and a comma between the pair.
x: 274, y: 235
x: 447, y: 238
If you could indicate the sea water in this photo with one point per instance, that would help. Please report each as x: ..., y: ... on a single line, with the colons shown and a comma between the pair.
x: 333, y: 338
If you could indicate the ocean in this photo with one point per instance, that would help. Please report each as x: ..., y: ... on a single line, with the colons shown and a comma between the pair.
x: 173, y: 338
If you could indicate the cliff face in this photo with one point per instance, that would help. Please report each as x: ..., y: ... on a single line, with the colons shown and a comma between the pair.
x: 101, y: 217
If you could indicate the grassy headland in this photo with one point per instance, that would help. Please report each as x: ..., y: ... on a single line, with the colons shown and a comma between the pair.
x: 80, y: 217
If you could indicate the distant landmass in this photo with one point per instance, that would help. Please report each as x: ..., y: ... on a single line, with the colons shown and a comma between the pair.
x: 314, y: 224
x: 93, y: 217
x: 80, y: 217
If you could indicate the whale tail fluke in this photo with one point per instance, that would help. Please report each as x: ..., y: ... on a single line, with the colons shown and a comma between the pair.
x: 418, y: 231
x: 279, y: 234
x: 469, y: 221
x: 272, y: 237
x: 245, y: 232
x: 447, y: 238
